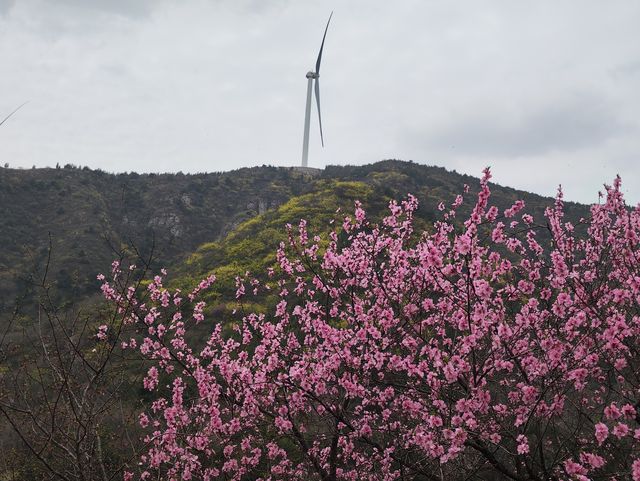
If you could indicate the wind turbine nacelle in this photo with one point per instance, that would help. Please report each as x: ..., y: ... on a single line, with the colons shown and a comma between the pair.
x: 312, y: 75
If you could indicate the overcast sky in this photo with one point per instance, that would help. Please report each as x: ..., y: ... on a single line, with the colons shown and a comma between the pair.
x: 546, y: 92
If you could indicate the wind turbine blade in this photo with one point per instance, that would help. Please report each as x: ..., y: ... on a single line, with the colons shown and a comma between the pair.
x: 9, y: 116
x: 317, y: 80
x: 322, y: 45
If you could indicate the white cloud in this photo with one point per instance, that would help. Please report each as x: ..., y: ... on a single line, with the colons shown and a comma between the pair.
x: 546, y: 92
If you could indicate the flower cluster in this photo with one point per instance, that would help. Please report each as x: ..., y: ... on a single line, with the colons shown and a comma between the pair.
x: 488, y: 348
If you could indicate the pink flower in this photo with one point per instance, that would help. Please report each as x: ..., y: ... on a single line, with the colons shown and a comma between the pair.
x: 143, y: 420
x: 612, y: 411
x: 594, y: 460
x: 628, y: 411
x: 151, y: 380
x: 102, y: 332
x: 635, y: 470
x: 574, y: 469
x: 621, y: 430
x: 463, y: 244
x: 602, y: 432
x: 523, y: 444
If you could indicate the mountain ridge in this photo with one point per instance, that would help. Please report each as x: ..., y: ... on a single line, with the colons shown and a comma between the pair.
x: 84, y: 218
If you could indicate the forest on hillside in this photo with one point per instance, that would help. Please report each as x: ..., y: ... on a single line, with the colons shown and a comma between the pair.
x: 388, y: 321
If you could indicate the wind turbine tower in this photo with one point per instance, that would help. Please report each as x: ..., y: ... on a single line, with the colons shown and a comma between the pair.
x: 313, y: 78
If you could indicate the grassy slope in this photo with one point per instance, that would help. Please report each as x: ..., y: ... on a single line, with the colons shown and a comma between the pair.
x: 251, y: 245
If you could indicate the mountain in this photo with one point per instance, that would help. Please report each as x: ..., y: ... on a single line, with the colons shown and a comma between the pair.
x: 88, y: 217
x: 69, y: 224
x: 74, y: 222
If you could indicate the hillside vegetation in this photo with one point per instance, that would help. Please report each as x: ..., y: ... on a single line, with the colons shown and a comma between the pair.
x: 67, y: 225
x: 229, y: 222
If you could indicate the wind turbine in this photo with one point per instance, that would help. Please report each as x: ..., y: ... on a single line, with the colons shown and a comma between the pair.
x: 311, y: 76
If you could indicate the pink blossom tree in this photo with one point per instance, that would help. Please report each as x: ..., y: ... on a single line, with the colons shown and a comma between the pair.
x: 472, y: 351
